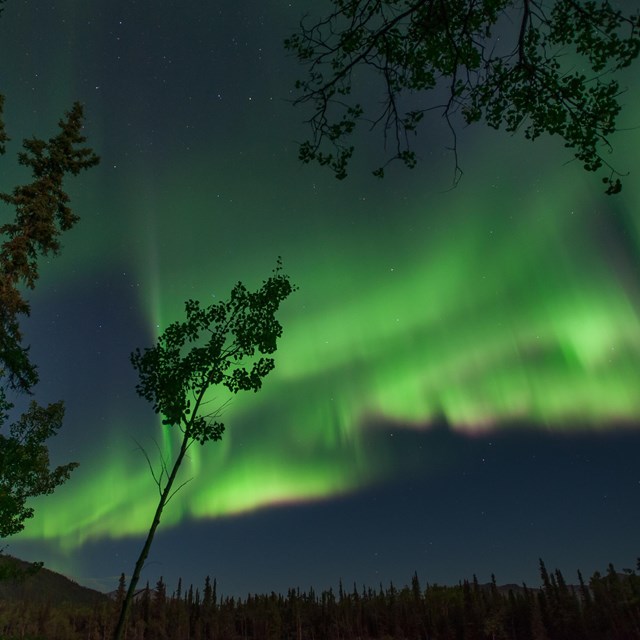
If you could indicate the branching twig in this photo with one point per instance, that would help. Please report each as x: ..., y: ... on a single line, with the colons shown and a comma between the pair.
x: 414, y: 47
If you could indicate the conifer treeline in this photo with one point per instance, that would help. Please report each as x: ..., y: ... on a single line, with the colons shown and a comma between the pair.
x: 606, y: 607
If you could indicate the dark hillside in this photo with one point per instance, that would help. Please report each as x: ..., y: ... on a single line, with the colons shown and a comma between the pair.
x: 20, y: 583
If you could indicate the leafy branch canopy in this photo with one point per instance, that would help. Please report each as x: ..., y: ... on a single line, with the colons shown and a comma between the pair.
x: 215, y: 345
x: 523, y: 65
x: 222, y: 344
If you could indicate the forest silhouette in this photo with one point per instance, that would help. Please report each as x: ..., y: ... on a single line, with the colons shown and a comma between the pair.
x: 606, y: 607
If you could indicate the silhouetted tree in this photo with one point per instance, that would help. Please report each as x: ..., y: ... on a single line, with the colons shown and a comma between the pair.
x: 158, y: 621
x: 42, y: 214
x: 24, y: 464
x: 540, y: 67
x: 473, y: 612
x: 209, y: 597
x: 217, y: 345
x: 122, y: 589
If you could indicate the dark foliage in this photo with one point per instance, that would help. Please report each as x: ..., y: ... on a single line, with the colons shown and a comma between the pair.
x: 534, y: 66
x: 42, y: 214
x: 223, y: 344
x: 220, y: 340
x: 608, y: 608
x: 24, y: 465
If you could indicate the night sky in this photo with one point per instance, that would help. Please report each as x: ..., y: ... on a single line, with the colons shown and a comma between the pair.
x: 457, y: 386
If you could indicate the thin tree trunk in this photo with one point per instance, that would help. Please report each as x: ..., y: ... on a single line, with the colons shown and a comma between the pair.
x: 126, y: 604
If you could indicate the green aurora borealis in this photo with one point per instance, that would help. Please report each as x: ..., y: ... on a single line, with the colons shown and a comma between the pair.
x: 512, y: 300
x: 527, y: 321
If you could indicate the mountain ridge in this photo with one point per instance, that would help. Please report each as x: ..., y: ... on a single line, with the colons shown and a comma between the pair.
x: 23, y: 581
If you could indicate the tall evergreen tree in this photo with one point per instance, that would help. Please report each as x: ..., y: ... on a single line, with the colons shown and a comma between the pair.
x: 41, y: 215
